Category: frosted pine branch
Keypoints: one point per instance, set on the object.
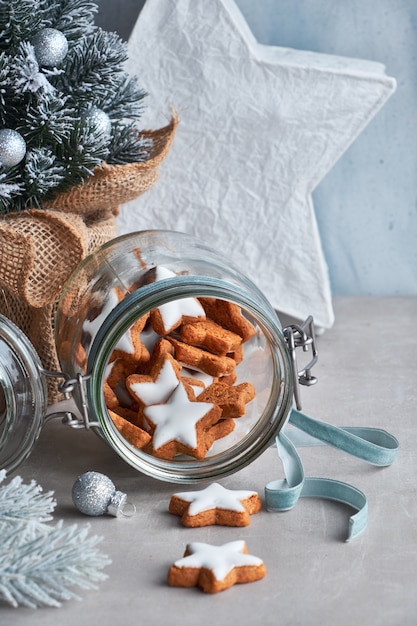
(74, 17)
(127, 147)
(24, 502)
(39, 563)
(25, 75)
(8, 189)
(40, 572)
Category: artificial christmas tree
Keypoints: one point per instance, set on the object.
(67, 104)
(70, 153)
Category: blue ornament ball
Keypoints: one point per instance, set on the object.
(12, 148)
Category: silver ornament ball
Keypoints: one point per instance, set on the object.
(99, 119)
(51, 47)
(94, 494)
(12, 147)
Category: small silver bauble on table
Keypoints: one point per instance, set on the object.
(95, 494)
(12, 147)
(51, 47)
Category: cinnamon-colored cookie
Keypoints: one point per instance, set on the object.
(216, 568)
(167, 317)
(158, 385)
(228, 315)
(210, 336)
(231, 399)
(179, 425)
(215, 505)
(133, 434)
(201, 359)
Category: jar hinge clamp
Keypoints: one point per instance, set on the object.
(301, 336)
(68, 408)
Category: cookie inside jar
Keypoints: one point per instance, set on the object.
(190, 378)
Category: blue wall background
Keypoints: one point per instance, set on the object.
(366, 207)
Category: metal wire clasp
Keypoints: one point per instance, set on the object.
(68, 408)
(301, 336)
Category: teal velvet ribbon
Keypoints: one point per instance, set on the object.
(372, 445)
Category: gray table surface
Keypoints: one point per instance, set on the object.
(367, 377)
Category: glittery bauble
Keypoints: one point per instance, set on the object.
(12, 147)
(95, 494)
(51, 47)
(99, 119)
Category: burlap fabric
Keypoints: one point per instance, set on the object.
(39, 249)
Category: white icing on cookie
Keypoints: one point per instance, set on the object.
(176, 420)
(196, 373)
(159, 390)
(215, 497)
(109, 369)
(92, 327)
(149, 338)
(219, 559)
(172, 312)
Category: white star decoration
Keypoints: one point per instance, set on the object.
(260, 126)
(218, 559)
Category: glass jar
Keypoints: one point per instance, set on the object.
(134, 280)
(23, 396)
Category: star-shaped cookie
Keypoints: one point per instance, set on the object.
(169, 316)
(215, 505)
(215, 568)
(158, 385)
(179, 425)
(232, 399)
(136, 436)
(129, 345)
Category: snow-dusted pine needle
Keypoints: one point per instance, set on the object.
(23, 502)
